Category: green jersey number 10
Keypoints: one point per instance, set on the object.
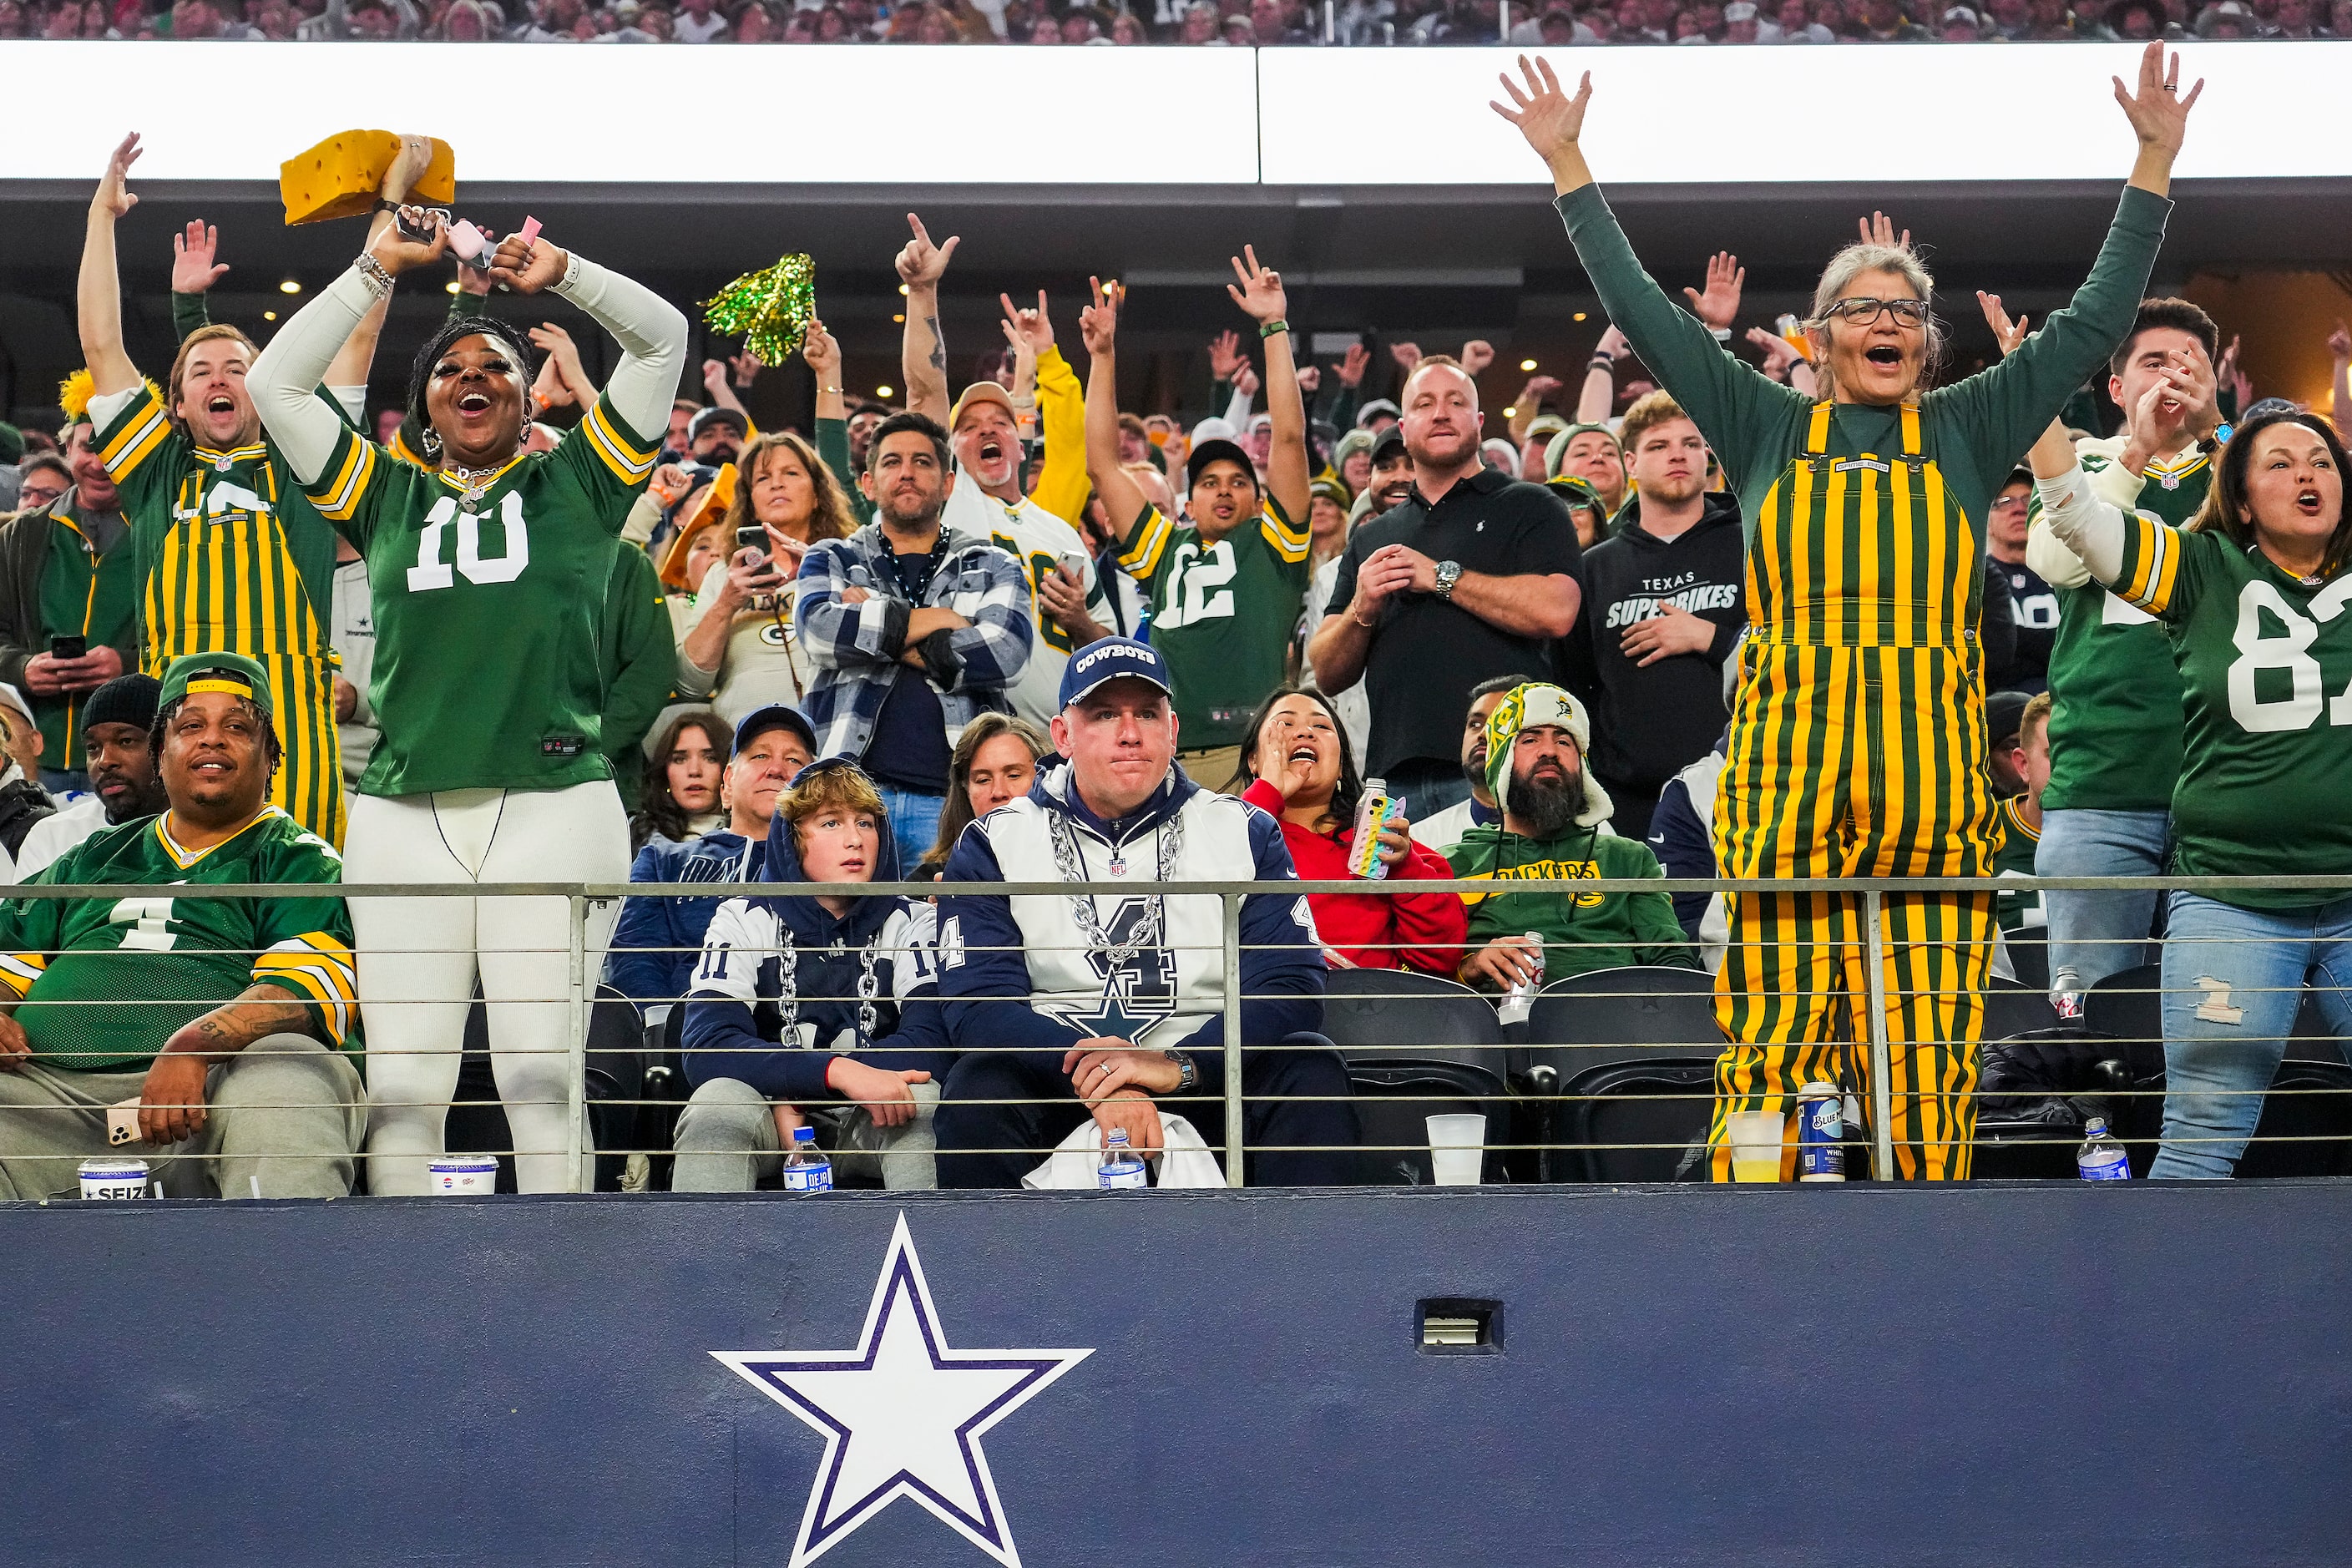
(432, 571)
(2289, 651)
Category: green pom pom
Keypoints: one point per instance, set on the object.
(769, 309)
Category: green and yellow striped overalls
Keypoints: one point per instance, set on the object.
(1857, 750)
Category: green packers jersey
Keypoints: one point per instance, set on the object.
(490, 605)
(80, 593)
(1223, 614)
(2114, 723)
(2020, 839)
(2266, 680)
(101, 983)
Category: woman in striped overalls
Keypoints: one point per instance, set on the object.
(1857, 745)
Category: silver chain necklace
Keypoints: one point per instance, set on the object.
(1070, 863)
(475, 481)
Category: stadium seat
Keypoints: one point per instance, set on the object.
(1588, 1021)
(1633, 1121)
(2036, 1091)
(477, 1124)
(2013, 1008)
(1418, 1047)
(2029, 956)
(2307, 1125)
(2128, 1004)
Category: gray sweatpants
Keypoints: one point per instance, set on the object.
(287, 1111)
(726, 1141)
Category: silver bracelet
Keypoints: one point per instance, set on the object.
(369, 267)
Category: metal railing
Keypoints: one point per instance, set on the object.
(582, 979)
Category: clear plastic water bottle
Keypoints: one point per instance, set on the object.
(806, 1170)
(2101, 1158)
(1122, 1168)
(2066, 994)
(1521, 997)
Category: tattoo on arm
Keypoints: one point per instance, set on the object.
(939, 344)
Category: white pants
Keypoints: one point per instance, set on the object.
(418, 959)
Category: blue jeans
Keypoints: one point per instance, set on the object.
(913, 822)
(1427, 788)
(2233, 978)
(2099, 934)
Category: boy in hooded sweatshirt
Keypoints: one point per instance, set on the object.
(1552, 816)
(811, 1008)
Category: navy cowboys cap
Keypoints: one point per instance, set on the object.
(1110, 659)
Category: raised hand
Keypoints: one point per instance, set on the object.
(1099, 322)
(1613, 343)
(1879, 229)
(1245, 380)
(921, 263)
(1031, 326)
(1476, 355)
(1260, 293)
(2339, 344)
(1309, 378)
(1406, 355)
(2159, 114)
(823, 352)
(546, 388)
(1546, 115)
(1719, 304)
(397, 253)
(407, 167)
(528, 266)
(744, 367)
(1779, 355)
(1352, 366)
(714, 376)
(1225, 355)
(193, 270)
(114, 197)
(2006, 332)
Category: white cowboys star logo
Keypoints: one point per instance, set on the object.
(902, 1415)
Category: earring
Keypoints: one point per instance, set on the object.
(431, 442)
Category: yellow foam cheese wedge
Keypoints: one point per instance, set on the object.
(340, 176)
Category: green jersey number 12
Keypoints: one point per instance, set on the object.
(431, 572)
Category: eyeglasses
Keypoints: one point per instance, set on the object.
(1862, 311)
(2010, 503)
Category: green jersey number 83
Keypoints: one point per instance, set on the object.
(2259, 604)
(432, 571)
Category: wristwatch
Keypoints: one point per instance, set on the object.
(1188, 1072)
(1448, 573)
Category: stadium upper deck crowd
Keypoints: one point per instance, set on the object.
(1233, 23)
(1745, 624)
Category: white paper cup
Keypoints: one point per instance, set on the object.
(1756, 1144)
(474, 1175)
(1456, 1149)
(113, 1178)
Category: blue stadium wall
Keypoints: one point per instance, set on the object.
(1791, 1376)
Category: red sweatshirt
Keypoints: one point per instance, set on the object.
(1431, 927)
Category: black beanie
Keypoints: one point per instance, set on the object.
(126, 699)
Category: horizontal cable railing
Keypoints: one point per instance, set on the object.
(2027, 1094)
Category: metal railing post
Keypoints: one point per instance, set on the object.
(1232, 908)
(1882, 1062)
(576, 1092)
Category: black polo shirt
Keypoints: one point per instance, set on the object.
(1426, 653)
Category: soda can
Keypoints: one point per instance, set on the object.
(1820, 1134)
(470, 1176)
(114, 1178)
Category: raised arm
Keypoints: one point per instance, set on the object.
(822, 353)
(1122, 501)
(1597, 397)
(1260, 294)
(2092, 528)
(357, 357)
(1729, 400)
(650, 330)
(99, 292)
(923, 352)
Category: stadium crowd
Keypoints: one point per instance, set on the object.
(1762, 604)
(1230, 23)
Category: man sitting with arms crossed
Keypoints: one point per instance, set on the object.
(658, 940)
(1553, 812)
(1128, 992)
(255, 1095)
(117, 730)
(813, 1007)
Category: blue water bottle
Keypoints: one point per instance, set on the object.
(806, 1170)
(1122, 1168)
(2101, 1158)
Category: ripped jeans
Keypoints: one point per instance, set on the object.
(2233, 979)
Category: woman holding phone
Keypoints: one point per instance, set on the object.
(740, 650)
